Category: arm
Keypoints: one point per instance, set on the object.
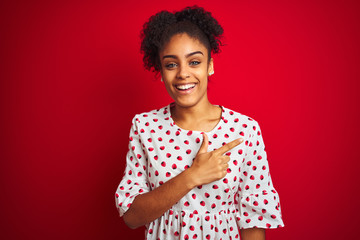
(258, 202)
(207, 167)
(252, 234)
(149, 206)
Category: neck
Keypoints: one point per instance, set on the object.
(185, 114)
(195, 113)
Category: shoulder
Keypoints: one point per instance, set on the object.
(237, 117)
(150, 117)
(239, 120)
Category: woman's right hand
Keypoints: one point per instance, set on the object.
(211, 166)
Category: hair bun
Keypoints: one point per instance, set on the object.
(205, 21)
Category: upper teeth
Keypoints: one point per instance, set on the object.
(186, 86)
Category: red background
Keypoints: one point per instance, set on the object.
(72, 79)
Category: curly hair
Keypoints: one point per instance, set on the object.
(159, 29)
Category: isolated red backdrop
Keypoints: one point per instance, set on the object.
(72, 79)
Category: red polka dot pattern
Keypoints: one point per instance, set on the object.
(245, 198)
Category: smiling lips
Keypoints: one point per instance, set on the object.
(184, 87)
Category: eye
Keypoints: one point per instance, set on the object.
(194, 63)
(171, 65)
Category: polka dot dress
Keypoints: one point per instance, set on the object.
(245, 198)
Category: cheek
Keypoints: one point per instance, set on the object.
(168, 75)
(168, 87)
(199, 72)
(202, 74)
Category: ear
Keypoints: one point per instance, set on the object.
(211, 66)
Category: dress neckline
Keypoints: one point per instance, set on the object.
(173, 124)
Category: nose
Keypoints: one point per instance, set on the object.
(183, 72)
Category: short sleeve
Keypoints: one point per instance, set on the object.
(134, 181)
(258, 201)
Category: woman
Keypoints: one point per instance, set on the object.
(194, 170)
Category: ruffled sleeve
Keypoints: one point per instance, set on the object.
(134, 181)
(258, 201)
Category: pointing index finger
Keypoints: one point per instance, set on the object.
(228, 146)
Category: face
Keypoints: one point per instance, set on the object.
(184, 70)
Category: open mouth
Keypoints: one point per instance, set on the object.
(184, 87)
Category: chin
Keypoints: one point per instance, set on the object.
(186, 103)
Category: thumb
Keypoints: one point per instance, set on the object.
(204, 145)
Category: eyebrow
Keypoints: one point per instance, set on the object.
(187, 55)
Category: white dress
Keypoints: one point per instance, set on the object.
(244, 198)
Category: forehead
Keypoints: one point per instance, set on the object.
(181, 45)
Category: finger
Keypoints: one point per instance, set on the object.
(228, 146)
(204, 145)
(224, 159)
